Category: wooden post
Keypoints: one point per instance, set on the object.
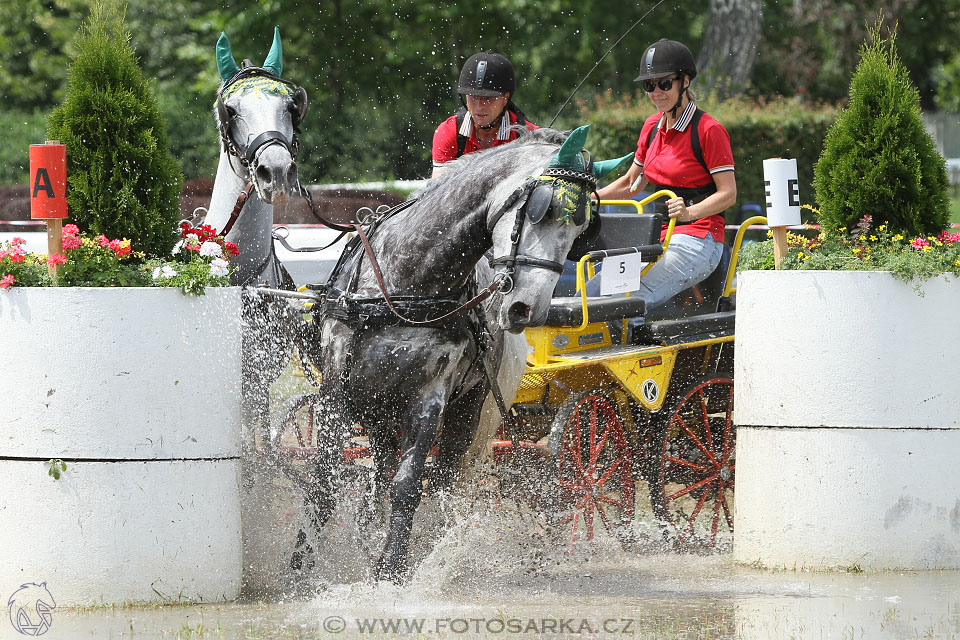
(48, 193)
(779, 244)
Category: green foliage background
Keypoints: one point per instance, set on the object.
(380, 75)
(878, 158)
(122, 180)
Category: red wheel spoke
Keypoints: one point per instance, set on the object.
(609, 472)
(593, 436)
(696, 440)
(588, 520)
(696, 510)
(722, 499)
(679, 494)
(716, 517)
(688, 464)
(706, 418)
(595, 451)
(625, 503)
(726, 427)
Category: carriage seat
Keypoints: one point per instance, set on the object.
(568, 312)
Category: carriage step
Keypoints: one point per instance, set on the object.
(666, 331)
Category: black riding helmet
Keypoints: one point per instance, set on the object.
(487, 74)
(664, 57)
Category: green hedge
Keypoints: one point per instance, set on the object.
(780, 128)
(19, 130)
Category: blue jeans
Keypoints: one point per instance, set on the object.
(687, 261)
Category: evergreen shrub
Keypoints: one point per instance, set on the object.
(123, 181)
(877, 158)
(759, 129)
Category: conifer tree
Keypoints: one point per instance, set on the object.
(122, 180)
(877, 158)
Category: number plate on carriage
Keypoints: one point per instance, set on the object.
(621, 274)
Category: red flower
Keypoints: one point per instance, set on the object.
(70, 242)
(55, 259)
(230, 249)
(102, 241)
(6, 281)
(70, 230)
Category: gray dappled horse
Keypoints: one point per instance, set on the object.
(413, 387)
(258, 114)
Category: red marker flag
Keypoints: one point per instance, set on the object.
(48, 181)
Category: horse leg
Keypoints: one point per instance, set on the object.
(459, 429)
(423, 422)
(320, 490)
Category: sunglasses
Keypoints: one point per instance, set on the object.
(664, 83)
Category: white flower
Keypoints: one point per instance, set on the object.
(166, 271)
(210, 250)
(218, 267)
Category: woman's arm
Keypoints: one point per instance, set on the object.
(619, 189)
(718, 202)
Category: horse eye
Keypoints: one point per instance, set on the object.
(231, 111)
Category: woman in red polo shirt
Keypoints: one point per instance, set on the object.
(682, 149)
(488, 82)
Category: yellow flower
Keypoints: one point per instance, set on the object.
(800, 255)
(897, 238)
(862, 237)
(926, 248)
(867, 259)
(883, 226)
(856, 250)
(873, 238)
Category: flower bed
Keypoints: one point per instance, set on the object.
(201, 260)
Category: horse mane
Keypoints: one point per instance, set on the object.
(526, 138)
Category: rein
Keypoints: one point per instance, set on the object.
(433, 322)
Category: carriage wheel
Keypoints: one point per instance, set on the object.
(691, 480)
(594, 467)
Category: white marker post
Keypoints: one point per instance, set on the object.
(783, 201)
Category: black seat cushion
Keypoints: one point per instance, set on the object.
(567, 312)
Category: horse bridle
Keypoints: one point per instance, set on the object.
(246, 155)
(534, 200)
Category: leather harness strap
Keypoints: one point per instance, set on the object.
(433, 322)
(237, 208)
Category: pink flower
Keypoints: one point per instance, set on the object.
(6, 281)
(120, 247)
(101, 240)
(17, 241)
(55, 259)
(949, 238)
(919, 243)
(70, 230)
(70, 242)
(17, 253)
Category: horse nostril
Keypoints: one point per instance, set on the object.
(263, 175)
(519, 313)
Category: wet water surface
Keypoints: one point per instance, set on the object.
(491, 570)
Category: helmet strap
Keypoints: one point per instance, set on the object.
(673, 112)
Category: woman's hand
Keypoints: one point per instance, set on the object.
(677, 208)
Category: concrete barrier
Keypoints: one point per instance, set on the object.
(848, 421)
(138, 391)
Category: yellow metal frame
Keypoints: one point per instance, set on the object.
(555, 371)
(582, 263)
